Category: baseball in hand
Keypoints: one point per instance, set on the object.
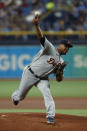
(37, 13)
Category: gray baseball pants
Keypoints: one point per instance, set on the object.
(28, 80)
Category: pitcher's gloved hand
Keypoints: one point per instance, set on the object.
(60, 71)
(59, 76)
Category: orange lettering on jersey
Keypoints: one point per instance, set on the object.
(51, 61)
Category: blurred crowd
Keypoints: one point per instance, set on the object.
(56, 15)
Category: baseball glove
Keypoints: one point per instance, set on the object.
(60, 71)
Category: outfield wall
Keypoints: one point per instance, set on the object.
(13, 59)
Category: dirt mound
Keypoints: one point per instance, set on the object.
(37, 122)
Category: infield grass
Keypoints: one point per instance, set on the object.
(67, 88)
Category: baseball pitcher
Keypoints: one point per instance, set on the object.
(47, 61)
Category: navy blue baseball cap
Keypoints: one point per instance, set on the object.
(66, 43)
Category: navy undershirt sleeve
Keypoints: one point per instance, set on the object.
(42, 41)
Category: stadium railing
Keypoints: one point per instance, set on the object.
(45, 32)
(30, 38)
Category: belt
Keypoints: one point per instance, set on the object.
(41, 78)
(33, 73)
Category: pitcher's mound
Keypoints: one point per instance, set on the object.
(37, 122)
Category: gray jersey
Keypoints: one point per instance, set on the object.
(46, 60)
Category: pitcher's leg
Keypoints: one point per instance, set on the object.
(27, 81)
(44, 87)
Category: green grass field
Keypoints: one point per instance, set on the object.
(67, 88)
(62, 89)
(77, 112)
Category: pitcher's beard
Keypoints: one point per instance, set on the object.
(63, 53)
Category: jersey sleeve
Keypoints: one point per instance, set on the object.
(45, 43)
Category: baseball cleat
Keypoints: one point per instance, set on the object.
(50, 120)
(15, 102)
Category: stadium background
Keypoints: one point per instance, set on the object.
(59, 19)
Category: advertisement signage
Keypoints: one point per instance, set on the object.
(13, 59)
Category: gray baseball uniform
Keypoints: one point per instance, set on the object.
(37, 73)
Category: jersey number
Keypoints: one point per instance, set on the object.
(51, 61)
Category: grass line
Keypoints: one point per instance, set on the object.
(77, 112)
